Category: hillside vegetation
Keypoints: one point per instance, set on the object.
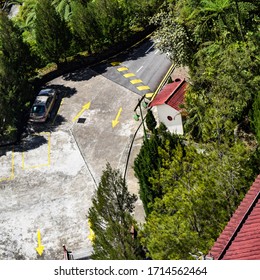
(191, 185)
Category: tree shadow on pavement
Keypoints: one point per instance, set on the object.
(63, 91)
(80, 75)
(32, 142)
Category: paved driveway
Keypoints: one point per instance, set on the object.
(47, 182)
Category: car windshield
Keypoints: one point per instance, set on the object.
(38, 109)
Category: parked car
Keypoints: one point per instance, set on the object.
(43, 105)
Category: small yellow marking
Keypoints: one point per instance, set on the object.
(116, 121)
(122, 69)
(136, 81)
(91, 236)
(49, 155)
(84, 107)
(12, 170)
(128, 75)
(143, 88)
(40, 247)
(149, 95)
(115, 63)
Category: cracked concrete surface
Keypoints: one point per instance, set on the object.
(48, 181)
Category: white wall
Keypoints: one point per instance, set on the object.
(174, 125)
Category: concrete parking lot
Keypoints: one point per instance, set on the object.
(48, 181)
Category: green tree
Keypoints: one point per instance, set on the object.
(16, 67)
(172, 37)
(150, 120)
(53, 36)
(149, 160)
(201, 188)
(85, 28)
(111, 219)
(112, 21)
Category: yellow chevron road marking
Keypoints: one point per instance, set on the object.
(136, 81)
(143, 88)
(128, 75)
(122, 69)
(115, 63)
(149, 95)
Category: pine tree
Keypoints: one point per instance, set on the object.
(111, 220)
(16, 66)
(53, 36)
(148, 161)
(85, 28)
(150, 120)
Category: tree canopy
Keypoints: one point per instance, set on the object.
(16, 66)
(111, 220)
(193, 187)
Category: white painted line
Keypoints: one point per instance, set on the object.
(156, 52)
(139, 69)
(150, 48)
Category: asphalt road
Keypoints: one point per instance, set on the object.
(144, 61)
(48, 181)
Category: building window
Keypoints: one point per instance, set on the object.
(169, 118)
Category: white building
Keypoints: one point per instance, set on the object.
(168, 102)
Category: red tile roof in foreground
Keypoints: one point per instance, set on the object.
(240, 239)
(172, 94)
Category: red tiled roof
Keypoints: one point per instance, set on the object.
(240, 240)
(172, 94)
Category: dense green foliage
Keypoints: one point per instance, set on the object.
(148, 160)
(95, 25)
(111, 220)
(150, 120)
(16, 66)
(256, 116)
(53, 37)
(192, 189)
(200, 189)
(219, 43)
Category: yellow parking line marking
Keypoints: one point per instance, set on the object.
(149, 95)
(143, 87)
(49, 155)
(122, 69)
(12, 170)
(115, 63)
(128, 75)
(136, 81)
